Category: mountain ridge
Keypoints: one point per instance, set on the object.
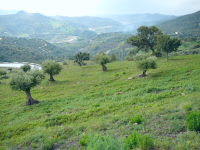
(187, 25)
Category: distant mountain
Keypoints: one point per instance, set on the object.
(187, 25)
(87, 22)
(23, 24)
(7, 12)
(130, 22)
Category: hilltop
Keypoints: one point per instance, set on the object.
(85, 101)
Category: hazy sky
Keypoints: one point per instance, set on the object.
(92, 7)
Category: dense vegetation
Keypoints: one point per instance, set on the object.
(29, 50)
(89, 108)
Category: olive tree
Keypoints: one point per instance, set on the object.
(10, 69)
(80, 57)
(24, 81)
(167, 44)
(144, 62)
(102, 59)
(25, 67)
(145, 39)
(52, 68)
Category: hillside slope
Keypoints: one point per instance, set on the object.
(187, 25)
(85, 100)
(29, 50)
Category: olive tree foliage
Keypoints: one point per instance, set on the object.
(144, 62)
(10, 69)
(80, 57)
(145, 39)
(102, 59)
(24, 81)
(25, 67)
(52, 68)
(167, 44)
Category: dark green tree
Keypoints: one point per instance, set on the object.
(24, 81)
(81, 57)
(25, 67)
(10, 69)
(102, 59)
(145, 39)
(52, 68)
(167, 44)
(144, 62)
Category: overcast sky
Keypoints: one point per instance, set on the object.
(101, 7)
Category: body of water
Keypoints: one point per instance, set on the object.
(18, 65)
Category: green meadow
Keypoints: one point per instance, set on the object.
(85, 108)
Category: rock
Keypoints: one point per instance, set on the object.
(118, 93)
(182, 93)
(131, 78)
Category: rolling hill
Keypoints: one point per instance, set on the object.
(30, 50)
(187, 25)
(24, 24)
(87, 21)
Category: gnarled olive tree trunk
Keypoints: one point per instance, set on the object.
(143, 73)
(29, 99)
(51, 78)
(103, 67)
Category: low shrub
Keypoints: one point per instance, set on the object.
(136, 140)
(136, 119)
(193, 121)
(4, 77)
(187, 106)
(2, 72)
(96, 142)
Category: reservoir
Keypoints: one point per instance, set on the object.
(18, 65)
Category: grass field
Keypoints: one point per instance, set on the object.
(85, 103)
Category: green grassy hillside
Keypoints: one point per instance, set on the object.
(85, 101)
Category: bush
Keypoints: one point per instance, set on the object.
(96, 142)
(64, 63)
(193, 121)
(136, 140)
(186, 106)
(83, 141)
(136, 119)
(2, 72)
(4, 77)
